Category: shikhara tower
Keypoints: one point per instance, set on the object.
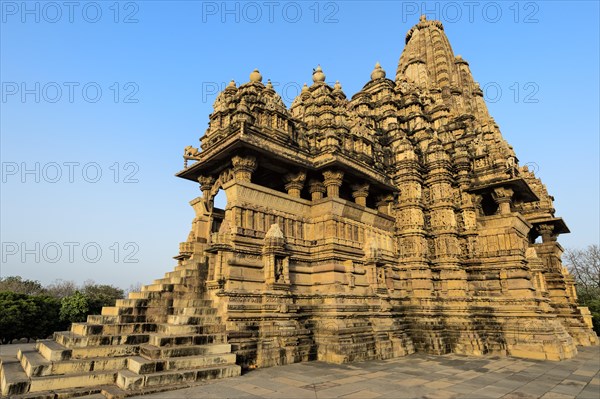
(366, 228)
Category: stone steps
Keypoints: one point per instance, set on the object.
(195, 311)
(53, 351)
(140, 310)
(192, 303)
(183, 273)
(194, 319)
(187, 340)
(126, 319)
(156, 352)
(35, 365)
(129, 380)
(71, 340)
(141, 365)
(89, 379)
(13, 380)
(172, 329)
(175, 280)
(87, 329)
(173, 285)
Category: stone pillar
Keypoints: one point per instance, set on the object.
(503, 197)
(333, 182)
(360, 192)
(316, 189)
(206, 184)
(294, 182)
(547, 232)
(243, 166)
(383, 203)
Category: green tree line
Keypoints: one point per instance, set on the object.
(29, 310)
(584, 266)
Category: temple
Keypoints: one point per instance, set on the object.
(395, 221)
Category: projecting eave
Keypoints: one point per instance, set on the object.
(522, 191)
(279, 155)
(560, 227)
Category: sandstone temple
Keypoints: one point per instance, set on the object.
(395, 221)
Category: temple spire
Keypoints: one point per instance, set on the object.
(428, 58)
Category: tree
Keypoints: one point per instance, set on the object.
(61, 288)
(584, 266)
(74, 308)
(100, 295)
(18, 285)
(27, 316)
(47, 319)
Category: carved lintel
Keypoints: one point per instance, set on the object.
(243, 166)
(294, 182)
(360, 192)
(333, 182)
(316, 189)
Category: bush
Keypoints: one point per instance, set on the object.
(27, 316)
(74, 308)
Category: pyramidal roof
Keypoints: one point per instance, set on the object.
(433, 105)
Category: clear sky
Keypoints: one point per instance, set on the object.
(100, 98)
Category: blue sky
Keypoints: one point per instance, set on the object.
(120, 88)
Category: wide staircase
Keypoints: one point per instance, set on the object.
(164, 337)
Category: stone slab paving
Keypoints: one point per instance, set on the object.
(414, 376)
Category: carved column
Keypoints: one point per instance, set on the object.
(243, 167)
(316, 189)
(294, 182)
(206, 184)
(444, 227)
(333, 182)
(547, 232)
(408, 210)
(360, 192)
(503, 197)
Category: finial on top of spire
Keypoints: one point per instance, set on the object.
(269, 84)
(255, 76)
(337, 85)
(318, 75)
(378, 72)
(423, 18)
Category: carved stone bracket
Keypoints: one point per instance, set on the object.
(294, 182)
(243, 167)
(333, 182)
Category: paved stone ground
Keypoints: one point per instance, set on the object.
(415, 376)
